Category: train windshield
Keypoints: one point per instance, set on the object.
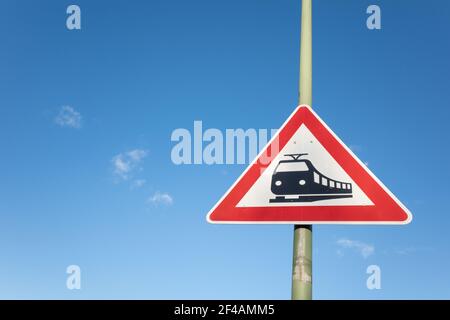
(292, 166)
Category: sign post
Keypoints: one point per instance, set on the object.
(302, 255)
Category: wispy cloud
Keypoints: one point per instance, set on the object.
(412, 250)
(364, 249)
(68, 117)
(138, 183)
(161, 198)
(125, 164)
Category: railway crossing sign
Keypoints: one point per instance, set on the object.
(307, 175)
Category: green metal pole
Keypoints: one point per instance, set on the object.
(302, 257)
(305, 84)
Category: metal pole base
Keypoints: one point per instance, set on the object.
(302, 263)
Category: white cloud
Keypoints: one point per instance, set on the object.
(68, 117)
(362, 248)
(161, 198)
(128, 162)
(138, 183)
(412, 250)
(137, 154)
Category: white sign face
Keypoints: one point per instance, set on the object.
(324, 178)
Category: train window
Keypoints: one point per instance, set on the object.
(316, 177)
(292, 166)
(332, 184)
(324, 181)
(338, 185)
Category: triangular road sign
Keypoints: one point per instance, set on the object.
(307, 175)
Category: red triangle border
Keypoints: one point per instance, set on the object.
(387, 209)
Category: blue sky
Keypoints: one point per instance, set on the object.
(138, 70)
